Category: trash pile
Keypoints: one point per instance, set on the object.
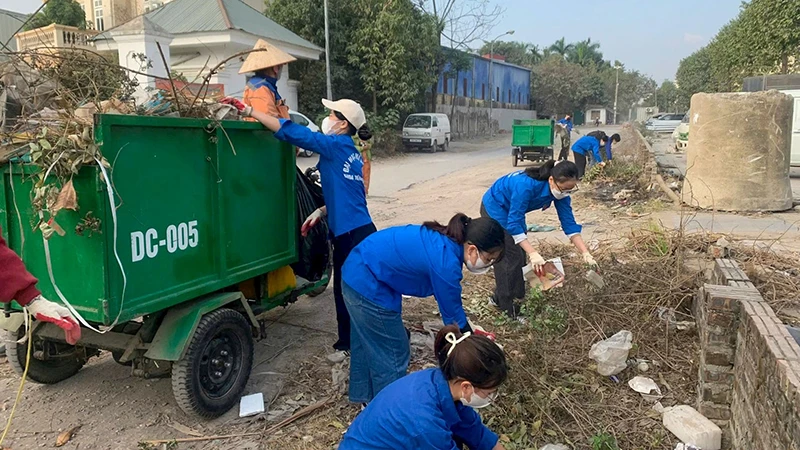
(48, 100)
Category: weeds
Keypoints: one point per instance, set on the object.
(542, 316)
(604, 441)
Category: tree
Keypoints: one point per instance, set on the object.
(694, 75)
(559, 86)
(62, 12)
(668, 97)
(585, 53)
(388, 48)
(518, 53)
(561, 47)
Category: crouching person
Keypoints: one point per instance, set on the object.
(435, 408)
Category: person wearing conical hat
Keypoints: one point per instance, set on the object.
(262, 89)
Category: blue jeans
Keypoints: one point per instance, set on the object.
(379, 347)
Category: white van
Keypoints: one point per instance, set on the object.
(795, 93)
(427, 130)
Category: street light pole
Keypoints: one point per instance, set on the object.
(616, 94)
(491, 79)
(327, 53)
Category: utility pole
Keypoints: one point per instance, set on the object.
(491, 79)
(616, 93)
(327, 53)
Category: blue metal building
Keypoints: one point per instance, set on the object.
(511, 83)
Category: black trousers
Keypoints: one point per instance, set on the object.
(564, 153)
(342, 246)
(580, 161)
(509, 282)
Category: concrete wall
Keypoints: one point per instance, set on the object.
(749, 365)
(469, 121)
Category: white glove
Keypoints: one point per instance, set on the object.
(47, 311)
(537, 262)
(312, 220)
(589, 259)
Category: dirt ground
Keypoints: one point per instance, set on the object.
(118, 411)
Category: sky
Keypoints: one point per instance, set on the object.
(651, 36)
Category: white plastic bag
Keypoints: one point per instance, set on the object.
(554, 447)
(612, 353)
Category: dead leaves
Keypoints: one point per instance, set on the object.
(67, 199)
(66, 435)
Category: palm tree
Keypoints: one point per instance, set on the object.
(586, 53)
(561, 47)
(535, 54)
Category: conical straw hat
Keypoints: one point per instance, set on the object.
(270, 57)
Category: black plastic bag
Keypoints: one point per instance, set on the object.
(313, 250)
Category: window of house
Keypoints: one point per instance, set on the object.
(98, 15)
(519, 97)
(497, 97)
(483, 91)
(444, 85)
(464, 83)
(509, 97)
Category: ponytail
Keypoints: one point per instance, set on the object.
(484, 232)
(476, 359)
(561, 171)
(364, 134)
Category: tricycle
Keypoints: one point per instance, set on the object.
(532, 140)
(179, 245)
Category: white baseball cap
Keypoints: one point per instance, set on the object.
(350, 110)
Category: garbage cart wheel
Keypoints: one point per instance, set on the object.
(514, 158)
(212, 375)
(64, 361)
(117, 356)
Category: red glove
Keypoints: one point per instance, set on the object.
(47, 311)
(241, 107)
(479, 332)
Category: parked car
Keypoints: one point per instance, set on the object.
(427, 130)
(301, 119)
(666, 123)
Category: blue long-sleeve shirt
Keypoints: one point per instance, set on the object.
(516, 194)
(588, 144)
(417, 411)
(340, 167)
(568, 124)
(409, 260)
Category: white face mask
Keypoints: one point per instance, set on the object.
(480, 267)
(476, 401)
(327, 126)
(559, 195)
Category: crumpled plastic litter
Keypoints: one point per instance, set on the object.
(611, 354)
(645, 386)
(536, 228)
(555, 447)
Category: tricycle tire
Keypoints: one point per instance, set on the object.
(117, 356)
(210, 378)
(514, 159)
(42, 372)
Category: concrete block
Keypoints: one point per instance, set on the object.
(692, 427)
(740, 152)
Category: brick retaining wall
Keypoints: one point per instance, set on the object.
(749, 371)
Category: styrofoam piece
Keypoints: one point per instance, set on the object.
(252, 404)
(692, 427)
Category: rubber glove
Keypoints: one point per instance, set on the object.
(241, 107)
(537, 262)
(47, 311)
(589, 259)
(312, 220)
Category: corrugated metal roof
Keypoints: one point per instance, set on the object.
(10, 21)
(193, 16)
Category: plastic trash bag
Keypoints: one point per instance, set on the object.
(555, 447)
(314, 251)
(611, 354)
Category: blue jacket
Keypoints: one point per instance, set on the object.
(409, 260)
(568, 123)
(516, 194)
(417, 412)
(340, 168)
(588, 144)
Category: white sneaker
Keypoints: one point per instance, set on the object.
(338, 356)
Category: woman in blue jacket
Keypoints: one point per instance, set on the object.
(585, 146)
(508, 200)
(433, 409)
(416, 260)
(340, 167)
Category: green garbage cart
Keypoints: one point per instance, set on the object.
(171, 269)
(532, 140)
